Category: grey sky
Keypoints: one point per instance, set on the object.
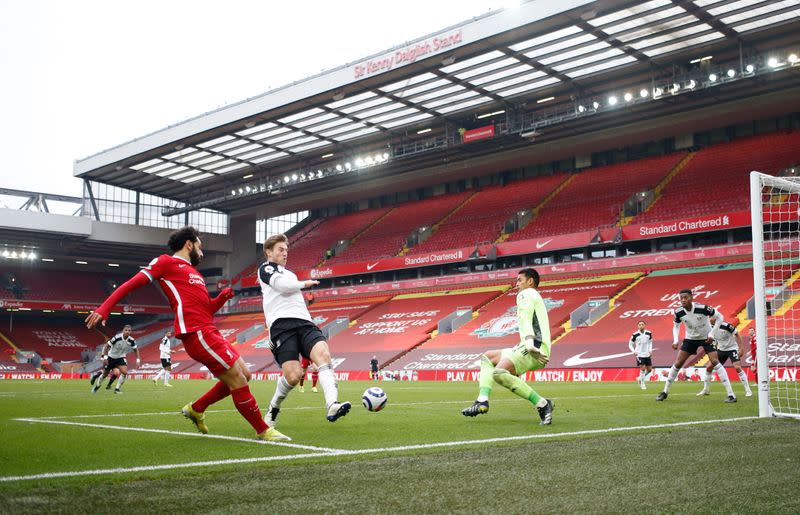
(81, 76)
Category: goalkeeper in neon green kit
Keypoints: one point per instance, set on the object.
(532, 353)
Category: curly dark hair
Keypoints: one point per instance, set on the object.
(179, 238)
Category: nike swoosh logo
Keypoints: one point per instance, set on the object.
(181, 266)
(540, 244)
(578, 359)
(373, 265)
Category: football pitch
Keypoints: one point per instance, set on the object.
(611, 448)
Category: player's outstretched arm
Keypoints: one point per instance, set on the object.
(224, 296)
(101, 314)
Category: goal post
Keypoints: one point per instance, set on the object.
(775, 212)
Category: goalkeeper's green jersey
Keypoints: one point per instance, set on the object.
(532, 318)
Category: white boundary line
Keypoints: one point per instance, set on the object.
(181, 433)
(334, 452)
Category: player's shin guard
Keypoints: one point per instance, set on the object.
(282, 389)
(328, 383)
(122, 379)
(517, 386)
(673, 374)
(248, 407)
(485, 379)
(217, 392)
(167, 376)
(723, 377)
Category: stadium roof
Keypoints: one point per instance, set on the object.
(502, 61)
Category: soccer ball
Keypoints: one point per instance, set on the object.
(374, 399)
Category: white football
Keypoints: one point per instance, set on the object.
(374, 399)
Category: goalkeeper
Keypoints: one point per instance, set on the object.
(504, 366)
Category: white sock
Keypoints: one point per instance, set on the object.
(642, 373)
(707, 380)
(159, 375)
(328, 383)
(121, 381)
(166, 376)
(743, 379)
(673, 373)
(483, 398)
(281, 391)
(723, 377)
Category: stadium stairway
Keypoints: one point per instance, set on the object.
(661, 185)
(536, 209)
(435, 227)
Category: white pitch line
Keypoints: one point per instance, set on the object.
(181, 433)
(342, 452)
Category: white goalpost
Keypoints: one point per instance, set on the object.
(775, 211)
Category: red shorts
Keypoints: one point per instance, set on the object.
(305, 362)
(207, 346)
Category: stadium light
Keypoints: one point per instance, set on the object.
(644, 93)
(247, 189)
(13, 254)
(286, 178)
(338, 168)
(628, 97)
(657, 92)
(596, 104)
(712, 77)
(81, 263)
(792, 58)
(348, 166)
(701, 59)
(750, 68)
(581, 109)
(249, 175)
(675, 88)
(319, 173)
(113, 264)
(47, 260)
(543, 100)
(6, 254)
(23, 255)
(233, 192)
(326, 156)
(423, 131)
(386, 155)
(359, 162)
(294, 176)
(32, 256)
(487, 115)
(773, 62)
(612, 100)
(692, 84)
(731, 73)
(369, 160)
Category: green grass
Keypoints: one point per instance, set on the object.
(747, 465)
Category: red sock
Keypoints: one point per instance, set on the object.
(314, 378)
(248, 407)
(217, 392)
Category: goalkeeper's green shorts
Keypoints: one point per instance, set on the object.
(522, 359)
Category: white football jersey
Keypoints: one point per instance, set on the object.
(120, 346)
(165, 347)
(725, 337)
(282, 295)
(696, 320)
(641, 343)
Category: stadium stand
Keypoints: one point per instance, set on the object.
(653, 300)
(716, 179)
(71, 286)
(495, 327)
(394, 327)
(595, 197)
(309, 251)
(481, 218)
(388, 237)
(55, 340)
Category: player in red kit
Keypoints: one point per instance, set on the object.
(306, 363)
(194, 310)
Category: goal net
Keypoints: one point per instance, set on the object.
(775, 209)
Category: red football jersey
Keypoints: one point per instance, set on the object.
(186, 290)
(753, 347)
